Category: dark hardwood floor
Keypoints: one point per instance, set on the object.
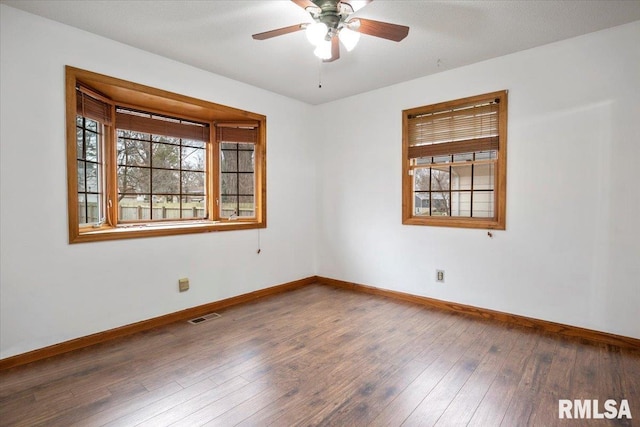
(323, 356)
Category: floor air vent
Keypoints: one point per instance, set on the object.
(204, 318)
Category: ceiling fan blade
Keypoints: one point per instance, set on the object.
(384, 30)
(304, 3)
(356, 5)
(278, 32)
(335, 50)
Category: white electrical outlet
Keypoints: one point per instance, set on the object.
(440, 276)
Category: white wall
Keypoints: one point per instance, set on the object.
(52, 291)
(571, 251)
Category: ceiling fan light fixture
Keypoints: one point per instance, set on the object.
(316, 33)
(349, 38)
(323, 50)
(331, 24)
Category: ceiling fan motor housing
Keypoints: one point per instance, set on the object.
(332, 13)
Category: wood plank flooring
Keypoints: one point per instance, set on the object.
(323, 356)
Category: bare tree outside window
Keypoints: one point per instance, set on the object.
(160, 177)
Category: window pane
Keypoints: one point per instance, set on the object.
(229, 183)
(133, 180)
(144, 212)
(440, 204)
(483, 204)
(81, 177)
(93, 179)
(172, 210)
(94, 207)
(245, 161)
(228, 205)
(247, 207)
(421, 179)
(163, 208)
(461, 203)
(421, 203)
(229, 146)
(442, 159)
(91, 145)
(440, 179)
(483, 177)
(193, 158)
(461, 177)
(486, 155)
(463, 157)
(229, 161)
(166, 156)
(92, 125)
(165, 182)
(132, 152)
(79, 143)
(193, 182)
(134, 208)
(193, 207)
(246, 183)
(82, 209)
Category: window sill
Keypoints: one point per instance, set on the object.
(133, 231)
(446, 221)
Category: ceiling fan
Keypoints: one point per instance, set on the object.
(332, 24)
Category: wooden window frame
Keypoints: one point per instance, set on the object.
(498, 221)
(132, 95)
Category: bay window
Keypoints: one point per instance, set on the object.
(147, 162)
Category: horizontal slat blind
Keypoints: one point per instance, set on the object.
(236, 133)
(129, 120)
(92, 108)
(457, 130)
(458, 147)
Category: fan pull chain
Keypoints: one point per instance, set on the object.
(320, 74)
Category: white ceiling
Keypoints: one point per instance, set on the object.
(216, 36)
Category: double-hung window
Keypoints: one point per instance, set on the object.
(145, 162)
(454, 163)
